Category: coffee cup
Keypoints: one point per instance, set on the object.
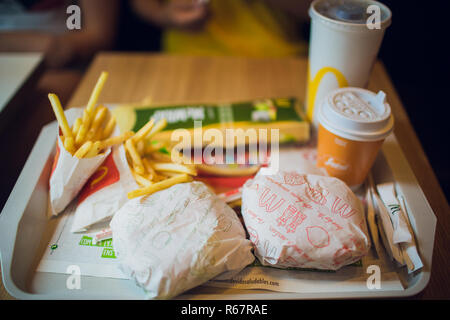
(353, 123)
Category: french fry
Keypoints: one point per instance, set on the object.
(139, 168)
(159, 156)
(69, 144)
(135, 157)
(158, 186)
(87, 118)
(160, 177)
(129, 160)
(140, 147)
(98, 120)
(76, 126)
(161, 124)
(148, 167)
(116, 140)
(98, 135)
(151, 178)
(141, 180)
(174, 167)
(91, 133)
(81, 135)
(100, 115)
(83, 150)
(167, 174)
(95, 150)
(60, 116)
(96, 92)
(109, 127)
(144, 131)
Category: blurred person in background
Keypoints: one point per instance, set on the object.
(230, 27)
(251, 28)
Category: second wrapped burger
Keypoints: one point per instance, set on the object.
(302, 220)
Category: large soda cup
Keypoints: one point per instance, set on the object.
(345, 39)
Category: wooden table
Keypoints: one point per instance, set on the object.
(178, 79)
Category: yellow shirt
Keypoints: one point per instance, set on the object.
(238, 27)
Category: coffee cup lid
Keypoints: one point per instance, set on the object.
(356, 114)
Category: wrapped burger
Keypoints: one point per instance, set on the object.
(300, 220)
(177, 239)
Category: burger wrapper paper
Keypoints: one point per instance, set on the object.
(177, 239)
(298, 220)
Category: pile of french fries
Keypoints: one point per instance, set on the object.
(152, 169)
(151, 162)
(90, 134)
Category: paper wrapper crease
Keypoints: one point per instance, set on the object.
(177, 239)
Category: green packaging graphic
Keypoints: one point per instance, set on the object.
(108, 251)
(284, 114)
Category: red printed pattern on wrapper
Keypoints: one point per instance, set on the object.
(105, 175)
(255, 216)
(294, 179)
(290, 261)
(327, 219)
(254, 238)
(276, 233)
(300, 200)
(342, 208)
(290, 214)
(302, 253)
(318, 236)
(316, 196)
(267, 200)
(291, 218)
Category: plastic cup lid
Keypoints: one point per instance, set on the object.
(349, 12)
(356, 114)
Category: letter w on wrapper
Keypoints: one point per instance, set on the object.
(268, 200)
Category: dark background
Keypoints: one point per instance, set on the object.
(415, 52)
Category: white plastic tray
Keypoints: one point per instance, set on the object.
(25, 231)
